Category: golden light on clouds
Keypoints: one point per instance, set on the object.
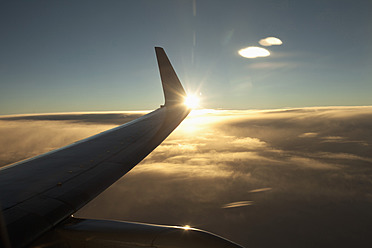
(308, 135)
(270, 41)
(199, 120)
(242, 169)
(259, 190)
(238, 204)
(253, 52)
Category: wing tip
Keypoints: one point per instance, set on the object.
(174, 92)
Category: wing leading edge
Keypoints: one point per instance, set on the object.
(39, 193)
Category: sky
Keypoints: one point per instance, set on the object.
(63, 56)
(261, 178)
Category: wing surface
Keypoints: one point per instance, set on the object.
(39, 193)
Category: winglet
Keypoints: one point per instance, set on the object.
(172, 87)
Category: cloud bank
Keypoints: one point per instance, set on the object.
(291, 177)
(25, 136)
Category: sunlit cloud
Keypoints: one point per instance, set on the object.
(21, 133)
(259, 190)
(344, 156)
(270, 41)
(199, 168)
(238, 204)
(229, 171)
(308, 135)
(312, 163)
(342, 140)
(248, 142)
(253, 52)
(333, 139)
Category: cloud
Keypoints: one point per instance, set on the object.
(86, 118)
(260, 190)
(248, 142)
(25, 136)
(332, 139)
(308, 135)
(342, 156)
(312, 163)
(276, 159)
(270, 41)
(253, 52)
(237, 204)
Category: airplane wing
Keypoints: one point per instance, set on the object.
(39, 195)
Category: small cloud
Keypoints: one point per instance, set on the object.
(249, 142)
(335, 139)
(270, 41)
(253, 52)
(259, 190)
(308, 135)
(238, 204)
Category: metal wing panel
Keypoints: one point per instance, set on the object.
(38, 193)
(78, 173)
(28, 178)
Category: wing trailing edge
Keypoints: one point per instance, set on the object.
(76, 233)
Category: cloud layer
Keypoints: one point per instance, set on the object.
(295, 177)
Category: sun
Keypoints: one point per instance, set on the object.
(186, 227)
(192, 101)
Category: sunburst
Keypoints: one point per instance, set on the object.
(192, 101)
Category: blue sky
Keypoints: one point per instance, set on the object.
(60, 56)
